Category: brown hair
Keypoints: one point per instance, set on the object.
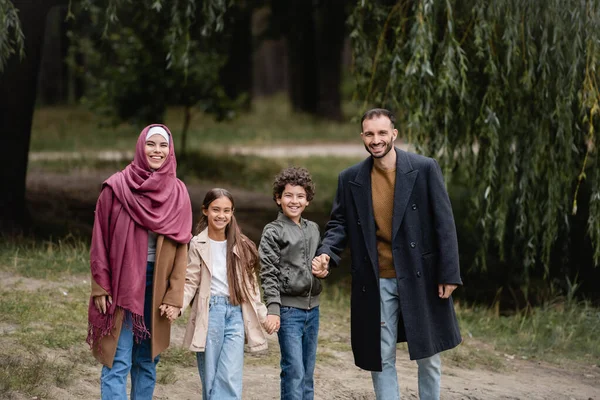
(377, 112)
(296, 177)
(245, 264)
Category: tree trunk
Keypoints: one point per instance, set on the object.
(298, 27)
(236, 75)
(18, 86)
(330, 28)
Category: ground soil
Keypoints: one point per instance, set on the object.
(66, 202)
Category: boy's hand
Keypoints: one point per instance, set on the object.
(320, 266)
(272, 323)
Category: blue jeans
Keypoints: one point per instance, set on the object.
(221, 364)
(385, 382)
(132, 357)
(298, 344)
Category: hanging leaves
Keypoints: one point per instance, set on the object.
(504, 91)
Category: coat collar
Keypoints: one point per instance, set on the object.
(282, 217)
(363, 198)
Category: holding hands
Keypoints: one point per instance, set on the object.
(320, 266)
(272, 323)
(171, 312)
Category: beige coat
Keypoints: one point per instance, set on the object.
(197, 290)
(168, 283)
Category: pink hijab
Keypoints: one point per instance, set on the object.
(133, 202)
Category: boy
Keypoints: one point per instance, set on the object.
(291, 292)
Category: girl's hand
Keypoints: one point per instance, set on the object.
(171, 312)
(100, 303)
(272, 323)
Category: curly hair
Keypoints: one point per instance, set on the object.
(296, 177)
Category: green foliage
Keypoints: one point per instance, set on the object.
(505, 90)
(12, 39)
(161, 57)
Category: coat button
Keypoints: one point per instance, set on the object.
(414, 206)
(364, 289)
(358, 222)
(418, 274)
(413, 244)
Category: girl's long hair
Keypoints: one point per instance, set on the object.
(245, 265)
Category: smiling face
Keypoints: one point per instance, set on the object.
(293, 202)
(218, 215)
(378, 136)
(156, 150)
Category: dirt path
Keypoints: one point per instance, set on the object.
(354, 149)
(336, 377)
(72, 200)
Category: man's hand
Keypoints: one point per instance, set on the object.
(100, 303)
(272, 323)
(320, 266)
(445, 290)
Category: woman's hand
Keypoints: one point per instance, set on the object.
(171, 312)
(100, 303)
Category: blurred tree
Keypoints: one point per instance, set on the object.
(506, 92)
(314, 32)
(22, 25)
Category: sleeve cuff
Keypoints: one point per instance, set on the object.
(273, 309)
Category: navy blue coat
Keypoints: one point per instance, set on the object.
(424, 249)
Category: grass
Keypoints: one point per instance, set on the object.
(51, 318)
(555, 332)
(31, 373)
(49, 259)
(270, 122)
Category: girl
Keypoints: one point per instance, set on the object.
(221, 280)
(138, 255)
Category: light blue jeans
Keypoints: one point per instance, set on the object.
(298, 344)
(221, 364)
(385, 382)
(132, 357)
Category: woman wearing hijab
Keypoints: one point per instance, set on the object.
(138, 260)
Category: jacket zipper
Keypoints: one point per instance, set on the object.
(307, 263)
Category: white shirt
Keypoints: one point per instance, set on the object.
(218, 258)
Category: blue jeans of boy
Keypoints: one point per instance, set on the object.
(385, 382)
(298, 345)
(221, 364)
(132, 357)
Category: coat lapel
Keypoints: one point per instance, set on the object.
(405, 181)
(363, 200)
(205, 249)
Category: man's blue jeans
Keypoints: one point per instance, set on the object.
(298, 344)
(221, 364)
(132, 357)
(385, 382)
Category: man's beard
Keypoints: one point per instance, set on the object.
(389, 146)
